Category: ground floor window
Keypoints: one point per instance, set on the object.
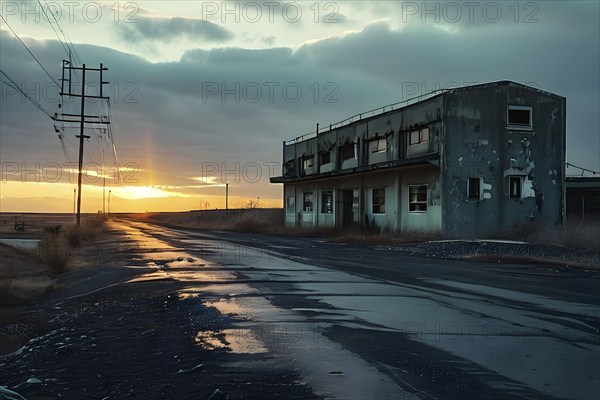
(378, 198)
(327, 202)
(417, 198)
(307, 204)
(515, 187)
(291, 204)
(474, 189)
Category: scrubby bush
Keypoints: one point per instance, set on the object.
(90, 228)
(55, 247)
(54, 250)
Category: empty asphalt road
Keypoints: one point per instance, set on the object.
(378, 322)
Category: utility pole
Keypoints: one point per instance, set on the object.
(227, 198)
(82, 118)
(109, 192)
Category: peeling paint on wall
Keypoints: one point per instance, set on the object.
(486, 188)
(528, 190)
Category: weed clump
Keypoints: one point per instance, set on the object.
(55, 246)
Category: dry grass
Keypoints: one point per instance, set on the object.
(270, 221)
(55, 247)
(90, 228)
(254, 220)
(22, 276)
(576, 235)
(579, 235)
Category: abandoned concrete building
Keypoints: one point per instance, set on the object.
(459, 162)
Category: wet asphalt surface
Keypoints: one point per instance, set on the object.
(260, 316)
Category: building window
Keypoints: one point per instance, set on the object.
(378, 145)
(307, 162)
(378, 197)
(519, 117)
(417, 198)
(515, 187)
(291, 204)
(327, 202)
(348, 152)
(419, 136)
(289, 169)
(307, 204)
(474, 189)
(324, 158)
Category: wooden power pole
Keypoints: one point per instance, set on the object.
(81, 118)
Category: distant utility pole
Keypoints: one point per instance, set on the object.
(227, 198)
(82, 118)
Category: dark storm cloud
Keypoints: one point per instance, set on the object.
(150, 28)
(204, 108)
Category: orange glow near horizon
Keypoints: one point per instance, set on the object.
(59, 198)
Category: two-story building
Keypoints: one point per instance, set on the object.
(459, 162)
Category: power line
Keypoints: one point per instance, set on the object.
(27, 96)
(52, 26)
(582, 169)
(66, 40)
(30, 52)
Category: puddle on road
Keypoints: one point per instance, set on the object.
(239, 341)
(228, 306)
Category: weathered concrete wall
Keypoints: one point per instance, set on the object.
(431, 221)
(479, 143)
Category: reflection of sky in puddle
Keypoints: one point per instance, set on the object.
(240, 341)
(167, 261)
(227, 306)
(181, 276)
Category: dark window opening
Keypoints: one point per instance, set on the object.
(307, 204)
(325, 158)
(474, 190)
(346, 152)
(417, 198)
(327, 202)
(289, 169)
(515, 187)
(378, 198)
(519, 116)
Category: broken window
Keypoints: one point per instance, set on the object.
(378, 201)
(307, 162)
(419, 136)
(291, 204)
(417, 198)
(378, 145)
(324, 158)
(346, 152)
(519, 116)
(474, 188)
(307, 204)
(327, 202)
(515, 187)
(290, 169)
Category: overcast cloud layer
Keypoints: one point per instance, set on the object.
(191, 90)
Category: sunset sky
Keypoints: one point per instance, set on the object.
(204, 93)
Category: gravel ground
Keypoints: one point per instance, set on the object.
(506, 251)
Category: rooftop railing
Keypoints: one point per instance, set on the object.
(368, 114)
